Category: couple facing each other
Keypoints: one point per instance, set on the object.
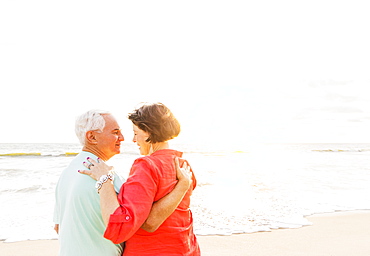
(151, 211)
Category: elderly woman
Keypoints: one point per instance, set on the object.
(151, 177)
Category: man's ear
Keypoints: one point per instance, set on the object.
(91, 138)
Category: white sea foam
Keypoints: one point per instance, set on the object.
(239, 191)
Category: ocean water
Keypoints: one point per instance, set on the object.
(257, 188)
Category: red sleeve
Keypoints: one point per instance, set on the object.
(136, 199)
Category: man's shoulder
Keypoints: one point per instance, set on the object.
(70, 174)
(81, 157)
(87, 154)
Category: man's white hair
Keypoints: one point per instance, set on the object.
(92, 120)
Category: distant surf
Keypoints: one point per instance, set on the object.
(239, 190)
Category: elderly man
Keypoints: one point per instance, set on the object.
(77, 214)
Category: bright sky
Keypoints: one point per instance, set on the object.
(231, 71)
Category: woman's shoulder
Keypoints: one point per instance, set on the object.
(145, 160)
(166, 153)
(158, 157)
(140, 160)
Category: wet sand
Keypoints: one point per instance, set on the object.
(335, 234)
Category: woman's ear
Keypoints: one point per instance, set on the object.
(91, 138)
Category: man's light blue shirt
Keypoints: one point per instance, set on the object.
(78, 213)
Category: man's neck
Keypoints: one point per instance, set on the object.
(95, 151)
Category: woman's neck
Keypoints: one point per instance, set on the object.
(158, 146)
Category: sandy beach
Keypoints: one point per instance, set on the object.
(334, 234)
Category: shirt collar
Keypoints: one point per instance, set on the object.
(167, 151)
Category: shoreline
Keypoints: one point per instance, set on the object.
(339, 233)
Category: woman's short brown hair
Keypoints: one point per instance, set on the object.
(157, 120)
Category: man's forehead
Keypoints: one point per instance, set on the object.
(111, 122)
